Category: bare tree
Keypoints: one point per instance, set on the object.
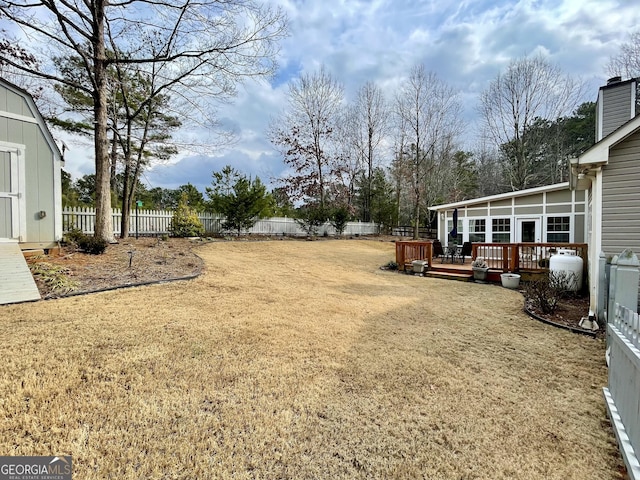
(367, 126)
(305, 134)
(626, 63)
(530, 90)
(428, 116)
(200, 49)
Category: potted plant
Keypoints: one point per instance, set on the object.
(480, 269)
(510, 280)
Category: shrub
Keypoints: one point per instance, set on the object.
(54, 277)
(73, 236)
(339, 219)
(310, 218)
(92, 245)
(545, 292)
(185, 221)
(86, 243)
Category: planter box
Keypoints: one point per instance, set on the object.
(510, 280)
(480, 274)
(419, 266)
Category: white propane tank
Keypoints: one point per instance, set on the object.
(567, 262)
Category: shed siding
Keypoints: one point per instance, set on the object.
(13, 103)
(621, 198)
(617, 107)
(39, 166)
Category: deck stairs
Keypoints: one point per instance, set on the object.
(449, 272)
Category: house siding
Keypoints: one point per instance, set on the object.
(621, 198)
(536, 205)
(617, 104)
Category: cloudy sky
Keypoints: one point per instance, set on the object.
(466, 42)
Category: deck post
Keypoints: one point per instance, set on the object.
(505, 258)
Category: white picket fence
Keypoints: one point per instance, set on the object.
(158, 222)
(622, 394)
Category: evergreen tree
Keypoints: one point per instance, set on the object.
(241, 200)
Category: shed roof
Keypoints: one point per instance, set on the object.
(36, 112)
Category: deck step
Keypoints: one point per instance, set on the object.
(462, 277)
(33, 252)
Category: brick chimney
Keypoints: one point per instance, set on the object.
(617, 104)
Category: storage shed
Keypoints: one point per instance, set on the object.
(30, 191)
(30, 173)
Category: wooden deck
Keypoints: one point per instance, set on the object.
(16, 282)
(528, 259)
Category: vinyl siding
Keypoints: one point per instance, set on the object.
(617, 107)
(621, 198)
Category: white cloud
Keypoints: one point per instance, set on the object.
(466, 43)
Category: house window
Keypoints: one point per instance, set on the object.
(477, 229)
(501, 230)
(558, 229)
(458, 238)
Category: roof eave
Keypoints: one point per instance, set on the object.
(502, 196)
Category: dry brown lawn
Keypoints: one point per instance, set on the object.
(303, 360)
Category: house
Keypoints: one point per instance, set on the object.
(30, 189)
(30, 177)
(553, 213)
(609, 173)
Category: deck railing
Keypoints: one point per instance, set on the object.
(515, 257)
(408, 251)
(506, 257)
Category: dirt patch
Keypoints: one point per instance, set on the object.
(568, 313)
(129, 262)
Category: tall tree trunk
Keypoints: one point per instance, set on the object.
(114, 160)
(103, 227)
(369, 197)
(126, 198)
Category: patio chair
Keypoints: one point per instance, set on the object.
(437, 250)
(465, 251)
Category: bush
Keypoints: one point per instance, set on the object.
(545, 292)
(310, 218)
(54, 277)
(86, 243)
(185, 221)
(73, 236)
(339, 219)
(92, 245)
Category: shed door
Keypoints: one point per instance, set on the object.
(12, 221)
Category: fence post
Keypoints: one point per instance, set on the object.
(627, 278)
(613, 278)
(602, 286)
